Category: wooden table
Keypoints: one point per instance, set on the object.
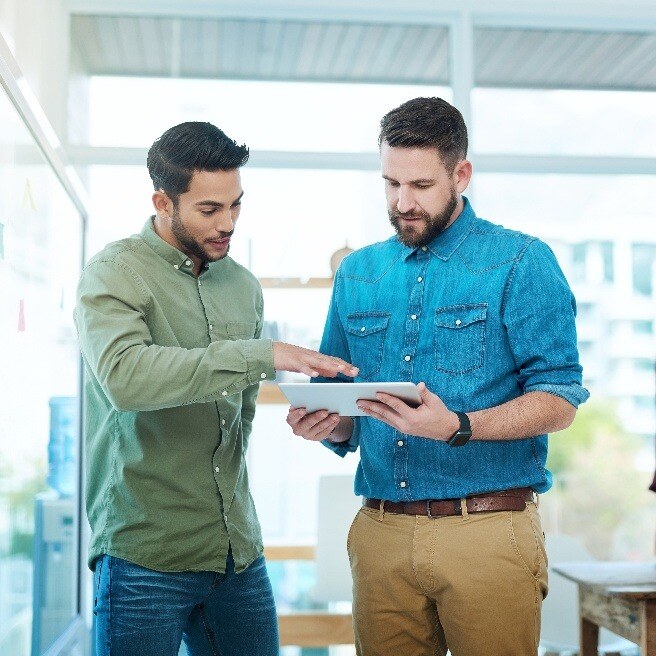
(620, 597)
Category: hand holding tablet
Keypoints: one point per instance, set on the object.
(342, 398)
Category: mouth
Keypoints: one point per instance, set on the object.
(219, 243)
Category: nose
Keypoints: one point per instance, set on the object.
(405, 201)
(225, 221)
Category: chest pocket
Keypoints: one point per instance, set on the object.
(236, 330)
(460, 338)
(365, 332)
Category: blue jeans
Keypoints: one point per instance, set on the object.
(141, 612)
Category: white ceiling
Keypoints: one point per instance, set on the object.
(350, 51)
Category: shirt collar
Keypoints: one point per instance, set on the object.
(172, 255)
(447, 242)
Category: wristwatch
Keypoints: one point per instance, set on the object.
(462, 435)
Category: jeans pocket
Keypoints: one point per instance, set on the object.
(460, 338)
(97, 574)
(365, 332)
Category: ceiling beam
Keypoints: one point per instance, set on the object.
(268, 159)
(600, 15)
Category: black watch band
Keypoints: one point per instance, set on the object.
(462, 435)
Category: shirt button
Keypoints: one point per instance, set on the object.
(363, 329)
(424, 248)
(262, 375)
(419, 279)
(176, 266)
(414, 317)
(225, 518)
(224, 393)
(403, 484)
(211, 327)
(400, 442)
(217, 469)
(199, 283)
(223, 422)
(188, 262)
(458, 322)
(407, 358)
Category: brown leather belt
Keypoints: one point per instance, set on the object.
(514, 499)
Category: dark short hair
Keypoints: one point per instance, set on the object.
(427, 123)
(189, 147)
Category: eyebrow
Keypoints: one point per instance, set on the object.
(213, 203)
(420, 180)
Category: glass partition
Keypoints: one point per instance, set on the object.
(40, 254)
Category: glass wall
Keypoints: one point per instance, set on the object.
(40, 254)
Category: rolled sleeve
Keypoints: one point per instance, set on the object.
(539, 315)
(574, 393)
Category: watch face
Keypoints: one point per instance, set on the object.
(459, 439)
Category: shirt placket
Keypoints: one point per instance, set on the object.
(216, 455)
(417, 268)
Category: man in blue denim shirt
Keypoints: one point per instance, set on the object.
(447, 551)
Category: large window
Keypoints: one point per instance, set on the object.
(291, 116)
(561, 122)
(40, 255)
(602, 465)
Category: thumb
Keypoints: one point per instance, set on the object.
(424, 392)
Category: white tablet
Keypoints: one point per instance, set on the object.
(342, 397)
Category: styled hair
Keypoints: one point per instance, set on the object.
(193, 146)
(427, 123)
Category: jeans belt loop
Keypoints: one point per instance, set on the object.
(457, 506)
(428, 512)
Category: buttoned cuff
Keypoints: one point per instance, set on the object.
(573, 393)
(259, 360)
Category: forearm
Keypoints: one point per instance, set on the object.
(343, 431)
(534, 413)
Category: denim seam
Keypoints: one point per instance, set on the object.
(374, 280)
(513, 271)
(208, 632)
(486, 269)
(109, 603)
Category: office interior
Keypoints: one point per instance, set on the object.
(560, 101)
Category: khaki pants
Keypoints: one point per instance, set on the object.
(473, 584)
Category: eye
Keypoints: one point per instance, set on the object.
(207, 212)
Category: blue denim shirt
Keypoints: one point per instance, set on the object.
(482, 315)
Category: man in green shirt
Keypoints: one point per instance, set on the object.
(170, 331)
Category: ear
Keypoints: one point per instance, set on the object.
(462, 175)
(162, 203)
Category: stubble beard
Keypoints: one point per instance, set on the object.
(191, 246)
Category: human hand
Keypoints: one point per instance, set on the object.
(316, 426)
(287, 357)
(431, 419)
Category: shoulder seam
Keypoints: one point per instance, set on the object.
(513, 270)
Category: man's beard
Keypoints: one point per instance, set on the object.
(191, 246)
(434, 225)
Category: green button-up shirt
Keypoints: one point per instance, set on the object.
(173, 363)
